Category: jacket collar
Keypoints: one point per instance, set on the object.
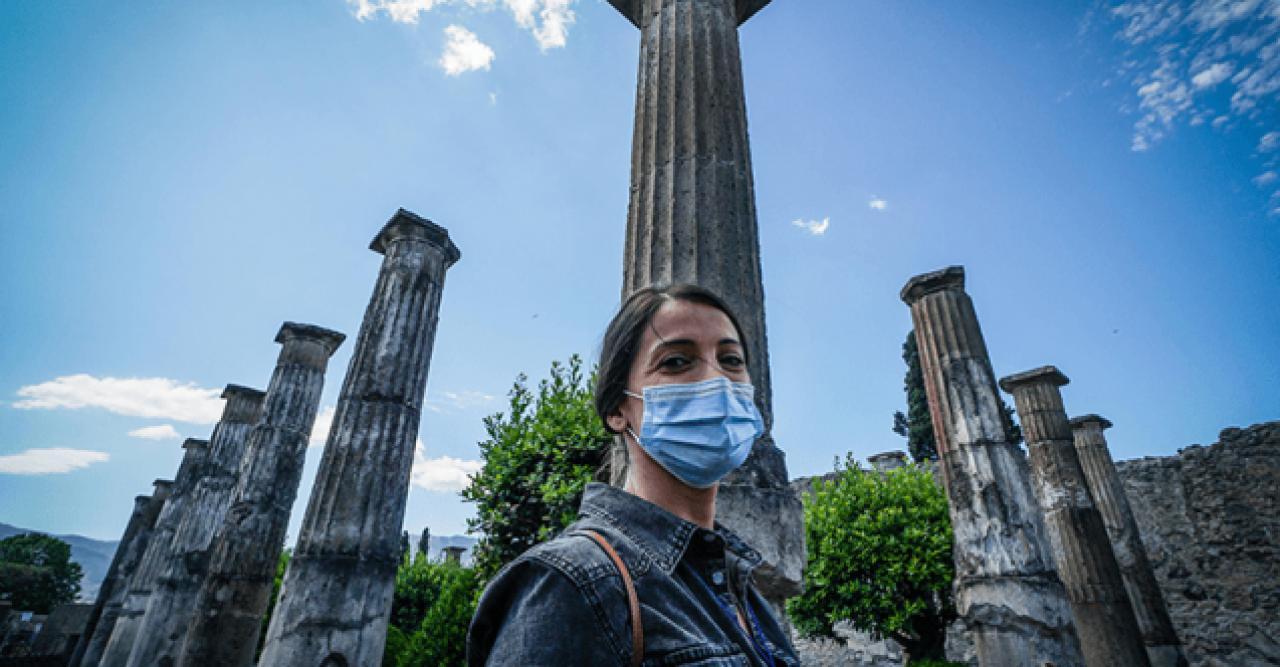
(659, 534)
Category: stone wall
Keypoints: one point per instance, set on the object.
(1210, 521)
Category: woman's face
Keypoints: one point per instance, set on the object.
(686, 342)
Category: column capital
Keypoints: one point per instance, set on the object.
(632, 9)
(1085, 420)
(162, 484)
(327, 338)
(925, 284)
(195, 443)
(233, 390)
(1043, 375)
(407, 223)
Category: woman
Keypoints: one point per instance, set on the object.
(644, 574)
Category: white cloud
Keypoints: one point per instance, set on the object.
(159, 432)
(153, 398)
(464, 52)
(1212, 75)
(444, 473)
(1269, 142)
(50, 461)
(493, 99)
(547, 20)
(324, 422)
(450, 401)
(877, 204)
(1266, 178)
(400, 11)
(814, 227)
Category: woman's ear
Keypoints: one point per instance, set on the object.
(617, 423)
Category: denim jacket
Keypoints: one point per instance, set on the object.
(562, 603)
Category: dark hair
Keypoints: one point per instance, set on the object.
(618, 349)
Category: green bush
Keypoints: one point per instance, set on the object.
(37, 573)
(537, 461)
(879, 549)
(430, 612)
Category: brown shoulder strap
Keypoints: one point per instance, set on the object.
(633, 602)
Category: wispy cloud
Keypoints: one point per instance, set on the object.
(1269, 142)
(443, 473)
(159, 432)
(464, 52)
(1195, 60)
(814, 227)
(451, 401)
(50, 461)
(324, 422)
(877, 204)
(153, 398)
(1266, 178)
(547, 20)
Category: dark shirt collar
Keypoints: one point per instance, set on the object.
(661, 535)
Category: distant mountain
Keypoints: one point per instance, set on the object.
(94, 557)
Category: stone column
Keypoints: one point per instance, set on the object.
(692, 218)
(227, 616)
(115, 587)
(1163, 647)
(169, 610)
(453, 555)
(1006, 588)
(335, 601)
(1104, 618)
(159, 551)
(886, 461)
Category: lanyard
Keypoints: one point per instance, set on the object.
(755, 632)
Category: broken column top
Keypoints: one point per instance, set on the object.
(329, 338)
(885, 461)
(633, 9)
(161, 486)
(925, 284)
(195, 443)
(407, 223)
(1085, 420)
(1044, 374)
(232, 390)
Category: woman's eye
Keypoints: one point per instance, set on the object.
(673, 363)
(732, 360)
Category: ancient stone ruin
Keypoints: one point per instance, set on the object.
(336, 597)
(692, 218)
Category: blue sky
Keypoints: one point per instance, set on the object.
(178, 179)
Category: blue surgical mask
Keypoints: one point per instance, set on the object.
(701, 431)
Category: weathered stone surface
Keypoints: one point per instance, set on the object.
(854, 648)
(335, 601)
(228, 612)
(159, 551)
(1163, 648)
(1006, 587)
(173, 598)
(110, 582)
(886, 461)
(753, 514)
(692, 213)
(129, 553)
(1103, 615)
(1210, 523)
(65, 623)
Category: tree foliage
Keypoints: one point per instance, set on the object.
(37, 573)
(917, 425)
(879, 550)
(424, 542)
(433, 605)
(538, 458)
(282, 566)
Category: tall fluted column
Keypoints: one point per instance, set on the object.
(1006, 588)
(336, 597)
(115, 587)
(159, 551)
(692, 219)
(227, 617)
(1163, 647)
(1104, 618)
(169, 610)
